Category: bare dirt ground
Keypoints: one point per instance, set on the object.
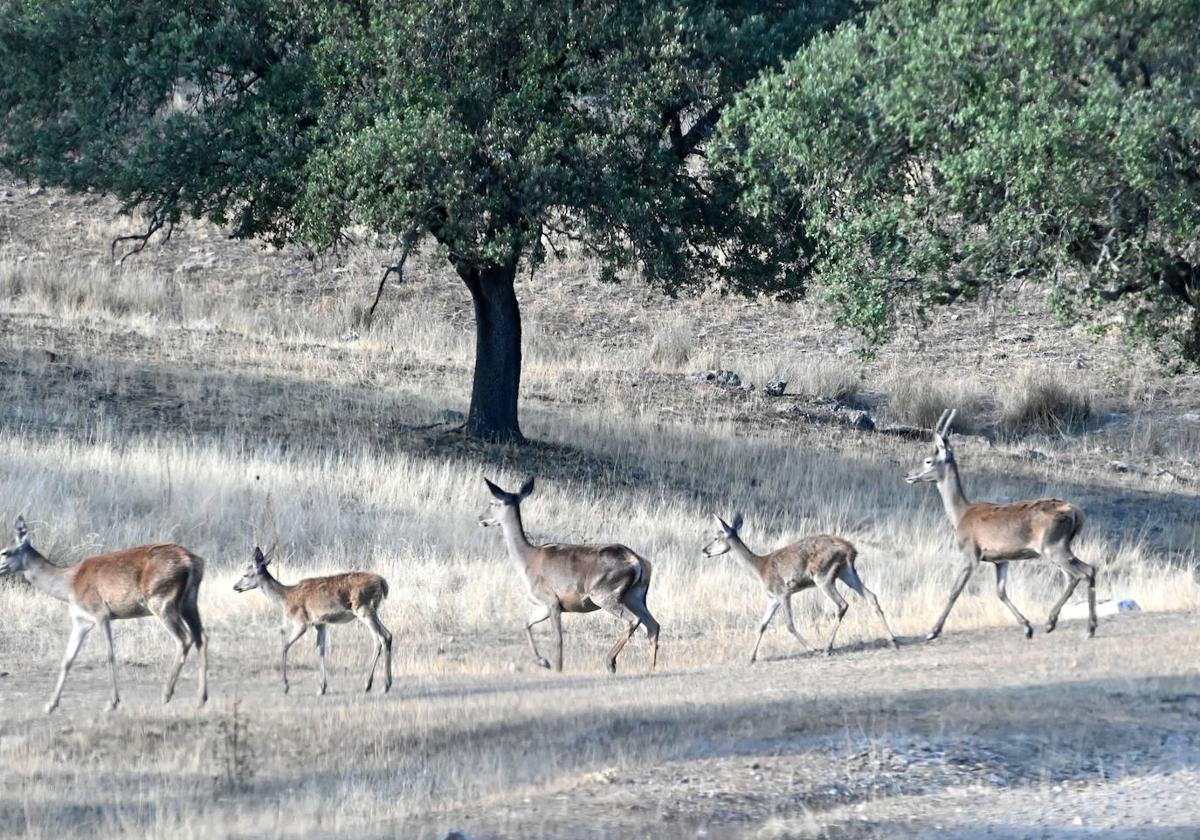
(981, 734)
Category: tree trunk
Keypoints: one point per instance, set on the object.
(494, 392)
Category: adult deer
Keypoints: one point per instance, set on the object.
(1001, 533)
(318, 601)
(813, 561)
(158, 580)
(574, 579)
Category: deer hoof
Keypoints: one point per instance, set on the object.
(1091, 633)
(112, 705)
(387, 686)
(50, 707)
(895, 644)
(1050, 625)
(1028, 631)
(932, 636)
(543, 662)
(611, 666)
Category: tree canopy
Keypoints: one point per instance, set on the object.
(501, 129)
(929, 151)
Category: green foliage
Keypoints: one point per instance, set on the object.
(502, 128)
(495, 126)
(934, 150)
(200, 109)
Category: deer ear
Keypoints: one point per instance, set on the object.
(259, 558)
(724, 525)
(496, 491)
(525, 490)
(20, 531)
(737, 523)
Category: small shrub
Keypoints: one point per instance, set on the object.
(1037, 402)
(672, 347)
(918, 399)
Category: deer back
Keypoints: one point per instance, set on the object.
(335, 597)
(124, 584)
(574, 571)
(1014, 526)
(806, 560)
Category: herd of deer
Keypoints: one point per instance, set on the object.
(164, 580)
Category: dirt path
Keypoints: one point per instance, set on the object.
(979, 734)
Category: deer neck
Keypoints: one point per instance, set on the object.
(273, 589)
(519, 548)
(754, 562)
(954, 500)
(43, 575)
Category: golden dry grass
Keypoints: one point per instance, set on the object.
(220, 396)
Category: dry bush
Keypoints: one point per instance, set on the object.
(673, 344)
(918, 398)
(1039, 402)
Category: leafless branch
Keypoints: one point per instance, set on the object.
(397, 268)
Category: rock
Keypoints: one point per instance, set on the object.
(1109, 607)
(858, 419)
(36, 189)
(1170, 477)
(456, 835)
(450, 417)
(775, 387)
(1119, 466)
(1018, 337)
(1036, 455)
(910, 432)
(724, 378)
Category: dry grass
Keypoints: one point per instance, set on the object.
(219, 397)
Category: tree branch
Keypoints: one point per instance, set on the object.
(410, 237)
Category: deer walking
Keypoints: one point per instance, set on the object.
(159, 580)
(318, 601)
(813, 561)
(1001, 533)
(574, 579)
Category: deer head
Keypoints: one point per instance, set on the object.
(16, 557)
(503, 503)
(937, 465)
(258, 568)
(721, 542)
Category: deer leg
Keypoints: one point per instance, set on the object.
(963, 576)
(556, 625)
(850, 577)
(540, 613)
(624, 613)
(289, 636)
(321, 657)
(762, 627)
(179, 631)
(790, 619)
(80, 627)
(190, 613)
(637, 603)
(383, 642)
(840, 606)
(1002, 592)
(1076, 570)
(112, 664)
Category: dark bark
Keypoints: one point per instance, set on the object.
(494, 392)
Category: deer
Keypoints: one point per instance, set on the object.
(816, 560)
(574, 579)
(1000, 533)
(151, 580)
(319, 601)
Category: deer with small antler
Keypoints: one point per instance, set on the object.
(812, 561)
(158, 580)
(573, 578)
(318, 601)
(999, 533)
